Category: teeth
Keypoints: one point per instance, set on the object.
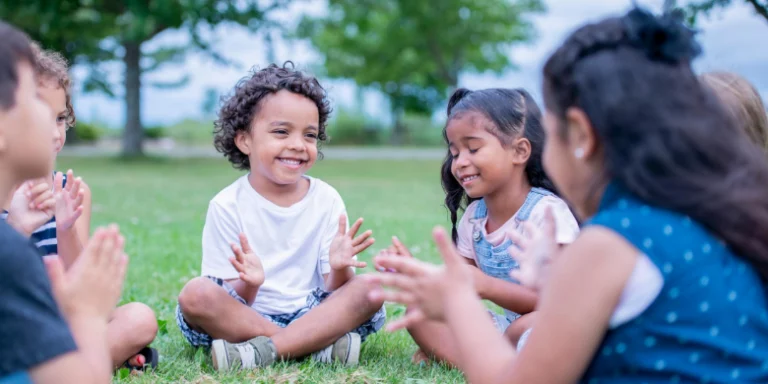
(468, 178)
(290, 161)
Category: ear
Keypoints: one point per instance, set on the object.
(581, 135)
(522, 150)
(243, 142)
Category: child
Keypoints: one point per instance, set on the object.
(60, 224)
(46, 340)
(289, 289)
(665, 283)
(743, 102)
(494, 139)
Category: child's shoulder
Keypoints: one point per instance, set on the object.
(322, 190)
(229, 195)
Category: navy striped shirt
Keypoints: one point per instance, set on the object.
(44, 237)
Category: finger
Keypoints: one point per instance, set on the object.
(359, 239)
(446, 248)
(404, 265)
(44, 201)
(55, 271)
(550, 226)
(357, 263)
(58, 180)
(78, 198)
(410, 319)
(108, 247)
(71, 180)
(43, 195)
(342, 224)
(75, 187)
(237, 264)
(238, 252)
(400, 247)
(362, 247)
(517, 238)
(402, 297)
(38, 189)
(245, 246)
(395, 280)
(356, 227)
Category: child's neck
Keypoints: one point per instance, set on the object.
(504, 203)
(283, 195)
(7, 187)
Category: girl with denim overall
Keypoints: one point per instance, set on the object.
(493, 172)
(666, 282)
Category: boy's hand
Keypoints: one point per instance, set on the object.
(423, 287)
(91, 287)
(32, 205)
(346, 246)
(69, 200)
(247, 263)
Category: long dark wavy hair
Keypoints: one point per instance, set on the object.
(663, 135)
(513, 112)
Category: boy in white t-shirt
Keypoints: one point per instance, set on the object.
(289, 289)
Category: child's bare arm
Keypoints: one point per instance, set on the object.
(505, 294)
(86, 294)
(89, 364)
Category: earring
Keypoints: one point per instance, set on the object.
(579, 153)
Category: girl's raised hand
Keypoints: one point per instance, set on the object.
(69, 199)
(423, 287)
(535, 249)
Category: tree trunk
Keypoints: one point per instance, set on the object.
(133, 134)
(399, 131)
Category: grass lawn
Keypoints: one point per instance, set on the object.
(160, 206)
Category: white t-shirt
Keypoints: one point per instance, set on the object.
(567, 228)
(292, 242)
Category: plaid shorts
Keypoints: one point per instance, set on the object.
(201, 339)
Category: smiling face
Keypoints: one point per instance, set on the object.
(480, 162)
(281, 143)
(56, 98)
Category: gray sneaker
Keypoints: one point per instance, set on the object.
(255, 353)
(345, 350)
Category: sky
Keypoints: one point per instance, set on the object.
(733, 40)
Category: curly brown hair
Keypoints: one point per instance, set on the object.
(52, 66)
(239, 109)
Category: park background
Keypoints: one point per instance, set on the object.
(149, 76)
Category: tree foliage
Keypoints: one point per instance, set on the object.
(414, 51)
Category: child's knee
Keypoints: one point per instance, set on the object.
(196, 296)
(362, 289)
(142, 321)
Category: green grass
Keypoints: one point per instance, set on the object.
(160, 206)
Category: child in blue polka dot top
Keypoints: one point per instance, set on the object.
(666, 281)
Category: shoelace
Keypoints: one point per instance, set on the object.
(324, 355)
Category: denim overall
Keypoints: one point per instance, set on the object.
(495, 261)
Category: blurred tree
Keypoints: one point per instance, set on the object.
(92, 32)
(694, 8)
(210, 102)
(414, 51)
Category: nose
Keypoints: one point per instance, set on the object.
(296, 143)
(461, 160)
